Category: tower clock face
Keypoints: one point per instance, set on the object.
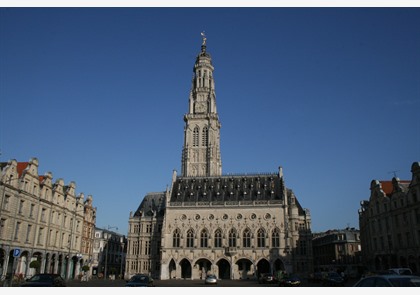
(200, 107)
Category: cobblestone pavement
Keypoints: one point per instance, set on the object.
(188, 283)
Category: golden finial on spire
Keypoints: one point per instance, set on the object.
(203, 35)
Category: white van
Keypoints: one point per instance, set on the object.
(401, 271)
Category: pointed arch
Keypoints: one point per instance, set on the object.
(190, 238)
(204, 238)
(232, 238)
(275, 238)
(246, 238)
(205, 136)
(176, 238)
(196, 133)
(261, 237)
(218, 238)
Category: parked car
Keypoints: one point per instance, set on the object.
(266, 278)
(44, 280)
(392, 280)
(211, 280)
(333, 279)
(140, 280)
(290, 281)
(400, 271)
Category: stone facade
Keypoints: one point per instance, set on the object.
(47, 221)
(338, 250)
(201, 152)
(390, 223)
(233, 226)
(109, 251)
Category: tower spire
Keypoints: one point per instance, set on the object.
(201, 152)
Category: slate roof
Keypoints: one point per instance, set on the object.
(227, 188)
(152, 202)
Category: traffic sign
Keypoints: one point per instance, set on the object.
(16, 252)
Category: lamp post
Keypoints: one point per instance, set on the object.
(106, 251)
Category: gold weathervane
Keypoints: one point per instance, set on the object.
(204, 38)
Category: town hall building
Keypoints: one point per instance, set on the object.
(236, 226)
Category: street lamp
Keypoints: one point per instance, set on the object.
(106, 251)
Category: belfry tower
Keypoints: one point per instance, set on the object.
(201, 151)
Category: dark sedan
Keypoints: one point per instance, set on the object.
(45, 280)
(140, 280)
(333, 279)
(389, 281)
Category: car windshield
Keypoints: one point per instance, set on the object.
(405, 282)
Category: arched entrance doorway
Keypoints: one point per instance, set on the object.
(244, 268)
(61, 267)
(2, 261)
(185, 269)
(204, 265)
(263, 266)
(73, 266)
(278, 265)
(224, 269)
(37, 256)
(50, 268)
(172, 269)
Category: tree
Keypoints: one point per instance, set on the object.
(35, 264)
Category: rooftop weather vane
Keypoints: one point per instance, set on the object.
(204, 38)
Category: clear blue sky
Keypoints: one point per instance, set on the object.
(98, 96)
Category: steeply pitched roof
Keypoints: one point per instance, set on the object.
(227, 188)
(388, 187)
(153, 203)
(21, 166)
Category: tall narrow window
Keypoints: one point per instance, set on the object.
(17, 229)
(246, 238)
(43, 211)
(6, 202)
(204, 239)
(40, 235)
(3, 226)
(190, 238)
(176, 239)
(28, 232)
(22, 202)
(218, 238)
(261, 238)
(31, 213)
(275, 238)
(205, 135)
(147, 248)
(195, 136)
(232, 238)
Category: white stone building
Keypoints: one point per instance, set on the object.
(43, 221)
(390, 224)
(234, 226)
